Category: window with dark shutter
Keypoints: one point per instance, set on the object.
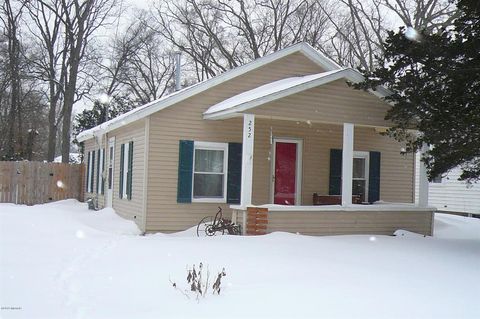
(185, 166)
(234, 178)
(103, 170)
(335, 180)
(122, 157)
(87, 184)
(92, 172)
(130, 170)
(362, 186)
(98, 171)
(374, 177)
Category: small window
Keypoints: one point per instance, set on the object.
(126, 170)
(360, 175)
(90, 171)
(110, 168)
(209, 172)
(100, 169)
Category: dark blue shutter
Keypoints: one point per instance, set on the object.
(335, 181)
(103, 167)
(234, 176)
(130, 170)
(120, 186)
(374, 177)
(88, 173)
(185, 169)
(92, 189)
(98, 171)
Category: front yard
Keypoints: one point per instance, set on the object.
(60, 260)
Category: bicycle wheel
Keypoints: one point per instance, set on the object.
(206, 227)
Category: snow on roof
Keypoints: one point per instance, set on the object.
(75, 158)
(122, 118)
(166, 101)
(275, 90)
(266, 90)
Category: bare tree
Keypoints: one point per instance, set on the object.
(140, 67)
(423, 14)
(219, 35)
(80, 19)
(360, 26)
(49, 65)
(10, 17)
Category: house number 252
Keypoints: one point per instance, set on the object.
(249, 129)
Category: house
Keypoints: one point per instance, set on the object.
(448, 194)
(270, 133)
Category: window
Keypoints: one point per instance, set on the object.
(126, 170)
(100, 169)
(110, 167)
(90, 170)
(360, 175)
(209, 172)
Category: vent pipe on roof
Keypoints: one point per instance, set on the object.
(178, 59)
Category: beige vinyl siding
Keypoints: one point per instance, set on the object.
(89, 146)
(357, 222)
(164, 213)
(130, 209)
(330, 103)
(184, 121)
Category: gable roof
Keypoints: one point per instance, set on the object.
(171, 99)
(278, 89)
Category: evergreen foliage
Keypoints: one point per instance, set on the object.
(435, 80)
(90, 118)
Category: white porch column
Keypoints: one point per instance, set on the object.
(247, 159)
(347, 164)
(423, 180)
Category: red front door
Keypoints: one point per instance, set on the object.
(285, 173)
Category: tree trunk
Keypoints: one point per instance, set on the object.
(69, 99)
(52, 127)
(67, 119)
(13, 61)
(52, 133)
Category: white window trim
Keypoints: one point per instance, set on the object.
(100, 171)
(366, 156)
(90, 173)
(217, 147)
(125, 170)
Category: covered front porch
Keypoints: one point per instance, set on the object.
(292, 156)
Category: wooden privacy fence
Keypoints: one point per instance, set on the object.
(37, 182)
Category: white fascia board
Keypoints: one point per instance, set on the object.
(322, 60)
(188, 92)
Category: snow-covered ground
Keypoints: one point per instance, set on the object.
(60, 260)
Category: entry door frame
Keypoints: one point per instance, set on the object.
(298, 171)
(109, 192)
